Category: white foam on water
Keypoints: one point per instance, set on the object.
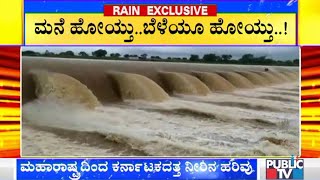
(162, 129)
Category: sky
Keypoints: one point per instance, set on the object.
(275, 52)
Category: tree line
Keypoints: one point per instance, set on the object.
(207, 58)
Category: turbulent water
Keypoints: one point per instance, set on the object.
(158, 110)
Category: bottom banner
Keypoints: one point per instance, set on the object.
(7, 169)
(134, 168)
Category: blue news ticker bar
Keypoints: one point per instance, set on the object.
(198, 1)
(118, 168)
(223, 6)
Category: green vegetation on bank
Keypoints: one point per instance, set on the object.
(207, 58)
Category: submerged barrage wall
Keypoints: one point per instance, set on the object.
(105, 81)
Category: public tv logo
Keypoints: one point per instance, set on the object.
(284, 168)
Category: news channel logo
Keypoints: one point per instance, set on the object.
(285, 168)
